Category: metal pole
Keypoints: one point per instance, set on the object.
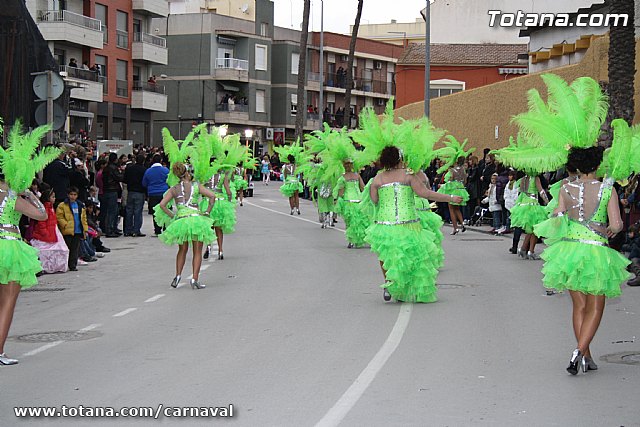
(321, 109)
(50, 106)
(427, 58)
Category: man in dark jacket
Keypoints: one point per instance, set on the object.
(133, 175)
(79, 179)
(57, 174)
(111, 178)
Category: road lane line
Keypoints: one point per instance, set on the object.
(43, 348)
(204, 267)
(90, 327)
(125, 312)
(292, 216)
(155, 298)
(350, 397)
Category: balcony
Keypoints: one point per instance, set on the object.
(154, 8)
(313, 81)
(313, 121)
(234, 113)
(149, 48)
(148, 96)
(62, 25)
(232, 69)
(381, 88)
(85, 84)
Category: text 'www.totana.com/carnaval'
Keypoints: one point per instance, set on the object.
(161, 410)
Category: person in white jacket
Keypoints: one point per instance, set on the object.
(494, 206)
(511, 192)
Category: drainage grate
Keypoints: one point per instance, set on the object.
(624, 358)
(58, 336)
(44, 290)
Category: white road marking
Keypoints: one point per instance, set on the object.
(293, 216)
(155, 298)
(43, 348)
(125, 312)
(204, 267)
(267, 200)
(90, 327)
(350, 397)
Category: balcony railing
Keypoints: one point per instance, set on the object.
(122, 88)
(232, 63)
(122, 39)
(148, 87)
(233, 108)
(69, 17)
(313, 77)
(79, 73)
(365, 85)
(150, 39)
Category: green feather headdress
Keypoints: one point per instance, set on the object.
(20, 162)
(418, 149)
(571, 117)
(233, 153)
(248, 161)
(623, 157)
(375, 134)
(179, 151)
(295, 149)
(339, 149)
(531, 157)
(451, 152)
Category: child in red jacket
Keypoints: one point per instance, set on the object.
(46, 237)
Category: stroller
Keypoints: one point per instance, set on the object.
(481, 216)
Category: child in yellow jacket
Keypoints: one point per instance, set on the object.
(72, 221)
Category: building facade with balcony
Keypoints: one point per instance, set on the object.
(243, 74)
(114, 49)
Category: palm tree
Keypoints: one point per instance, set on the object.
(300, 111)
(352, 50)
(622, 66)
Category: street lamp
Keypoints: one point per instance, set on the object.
(165, 77)
(427, 56)
(248, 133)
(222, 130)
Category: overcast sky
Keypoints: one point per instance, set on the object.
(339, 14)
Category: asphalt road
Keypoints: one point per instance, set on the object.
(292, 331)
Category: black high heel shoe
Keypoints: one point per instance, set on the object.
(386, 295)
(175, 281)
(220, 256)
(575, 362)
(464, 228)
(454, 232)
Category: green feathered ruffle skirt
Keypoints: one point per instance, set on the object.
(240, 184)
(188, 229)
(409, 256)
(526, 215)
(356, 221)
(288, 189)
(432, 222)
(455, 188)
(19, 263)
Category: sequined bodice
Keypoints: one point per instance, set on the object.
(396, 204)
(9, 217)
(422, 204)
(584, 228)
(352, 190)
(188, 206)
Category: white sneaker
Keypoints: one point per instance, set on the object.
(501, 230)
(99, 255)
(82, 262)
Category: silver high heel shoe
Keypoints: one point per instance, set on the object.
(175, 281)
(4, 360)
(220, 256)
(196, 285)
(591, 365)
(574, 362)
(298, 210)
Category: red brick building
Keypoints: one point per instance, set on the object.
(455, 67)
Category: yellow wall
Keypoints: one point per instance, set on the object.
(474, 113)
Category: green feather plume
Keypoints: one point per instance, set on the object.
(19, 162)
(417, 149)
(454, 149)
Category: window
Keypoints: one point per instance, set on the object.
(122, 26)
(101, 62)
(122, 85)
(294, 104)
(101, 14)
(261, 57)
(264, 29)
(260, 101)
(295, 63)
(60, 56)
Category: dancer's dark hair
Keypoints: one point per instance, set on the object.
(390, 157)
(585, 160)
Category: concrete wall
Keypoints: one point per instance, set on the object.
(473, 114)
(222, 7)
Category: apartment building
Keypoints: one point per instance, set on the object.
(243, 73)
(114, 49)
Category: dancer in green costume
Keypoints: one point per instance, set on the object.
(19, 262)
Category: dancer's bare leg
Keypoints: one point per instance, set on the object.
(592, 316)
(181, 258)
(454, 218)
(8, 297)
(196, 263)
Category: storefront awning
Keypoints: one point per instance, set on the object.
(81, 114)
